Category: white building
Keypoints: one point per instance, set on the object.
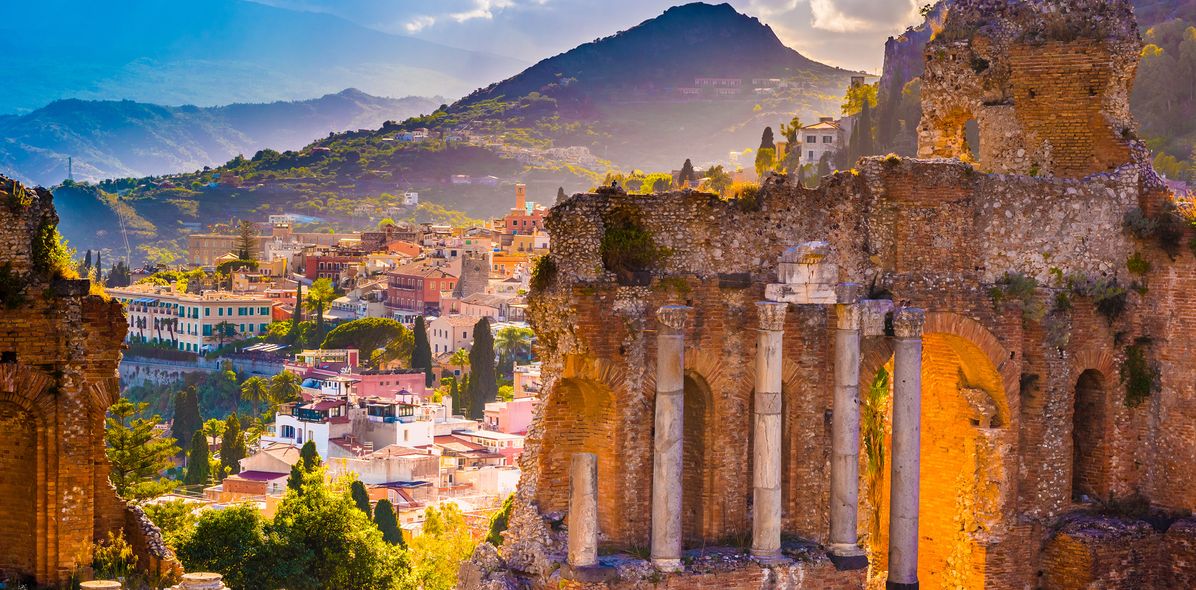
(820, 139)
(191, 322)
(410, 199)
(448, 334)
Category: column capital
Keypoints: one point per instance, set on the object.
(772, 315)
(848, 315)
(673, 316)
(848, 292)
(908, 322)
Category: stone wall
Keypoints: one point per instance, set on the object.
(1119, 552)
(59, 351)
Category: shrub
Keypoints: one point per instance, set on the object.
(626, 245)
(543, 273)
(1139, 375)
(1107, 295)
(1019, 288)
(1137, 264)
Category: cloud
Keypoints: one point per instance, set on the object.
(419, 23)
(853, 16)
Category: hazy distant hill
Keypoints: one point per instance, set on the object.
(216, 52)
(110, 139)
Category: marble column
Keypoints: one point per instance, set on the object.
(583, 510)
(668, 444)
(845, 433)
(766, 446)
(907, 412)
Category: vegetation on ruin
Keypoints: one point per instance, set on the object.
(627, 246)
(1018, 289)
(51, 254)
(16, 197)
(1137, 264)
(499, 520)
(873, 429)
(543, 274)
(1138, 374)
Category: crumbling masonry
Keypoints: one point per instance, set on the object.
(59, 351)
(969, 376)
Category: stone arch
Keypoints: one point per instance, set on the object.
(965, 424)
(581, 409)
(1090, 427)
(27, 454)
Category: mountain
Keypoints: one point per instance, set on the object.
(110, 139)
(1152, 12)
(217, 52)
(629, 101)
(625, 96)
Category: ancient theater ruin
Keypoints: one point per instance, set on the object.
(59, 350)
(937, 372)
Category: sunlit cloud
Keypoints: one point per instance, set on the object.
(852, 16)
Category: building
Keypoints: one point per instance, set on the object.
(416, 289)
(450, 333)
(328, 262)
(337, 373)
(525, 217)
(509, 446)
(191, 322)
(511, 417)
(822, 139)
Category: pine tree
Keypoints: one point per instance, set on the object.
(137, 452)
(560, 194)
(246, 241)
(232, 445)
(384, 517)
(421, 352)
(295, 479)
(687, 177)
(186, 414)
(483, 376)
(466, 396)
(197, 460)
(360, 496)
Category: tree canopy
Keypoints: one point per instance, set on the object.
(137, 451)
(368, 335)
(483, 381)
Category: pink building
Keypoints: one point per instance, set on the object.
(336, 372)
(510, 446)
(511, 417)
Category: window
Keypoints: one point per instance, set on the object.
(207, 311)
(207, 330)
(811, 154)
(827, 139)
(287, 431)
(220, 311)
(811, 139)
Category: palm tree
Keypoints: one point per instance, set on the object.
(256, 390)
(512, 343)
(258, 427)
(212, 429)
(319, 295)
(224, 330)
(460, 359)
(284, 387)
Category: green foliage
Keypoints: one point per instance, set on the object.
(51, 254)
(483, 379)
(187, 419)
(1137, 264)
(137, 452)
(388, 523)
(498, 522)
(437, 553)
(543, 273)
(246, 246)
(174, 518)
(718, 180)
(372, 334)
(873, 427)
(1021, 290)
(361, 498)
(1107, 295)
(232, 542)
(15, 196)
(197, 461)
(657, 182)
(319, 296)
(853, 101)
(626, 245)
(687, 177)
(766, 161)
(1139, 375)
(513, 344)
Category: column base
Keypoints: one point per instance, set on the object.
(900, 586)
(589, 574)
(847, 557)
(668, 565)
(769, 557)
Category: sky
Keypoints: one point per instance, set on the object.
(845, 33)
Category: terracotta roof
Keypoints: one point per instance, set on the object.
(459, 320)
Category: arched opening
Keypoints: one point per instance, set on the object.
(18, 463)
(583, 416)
(697, 480)
(1087, 436)
(963, 414)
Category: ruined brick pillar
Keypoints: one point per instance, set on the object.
(670, 429)
(583, 510)
(845, 433)
(907, 434)
(766, 457)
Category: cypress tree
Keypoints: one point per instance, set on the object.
(687, 176)
(87, 261)
(186, 415)
(421, 352)
(99, 268)
(298, 315)
(466, 395)
(483, 376)
(197, 460)
(384, 517)
(360, 496)
(309, 456)
(560, 194)
(455, 391)
(232, 445)
(767, 142)
(295, 479)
